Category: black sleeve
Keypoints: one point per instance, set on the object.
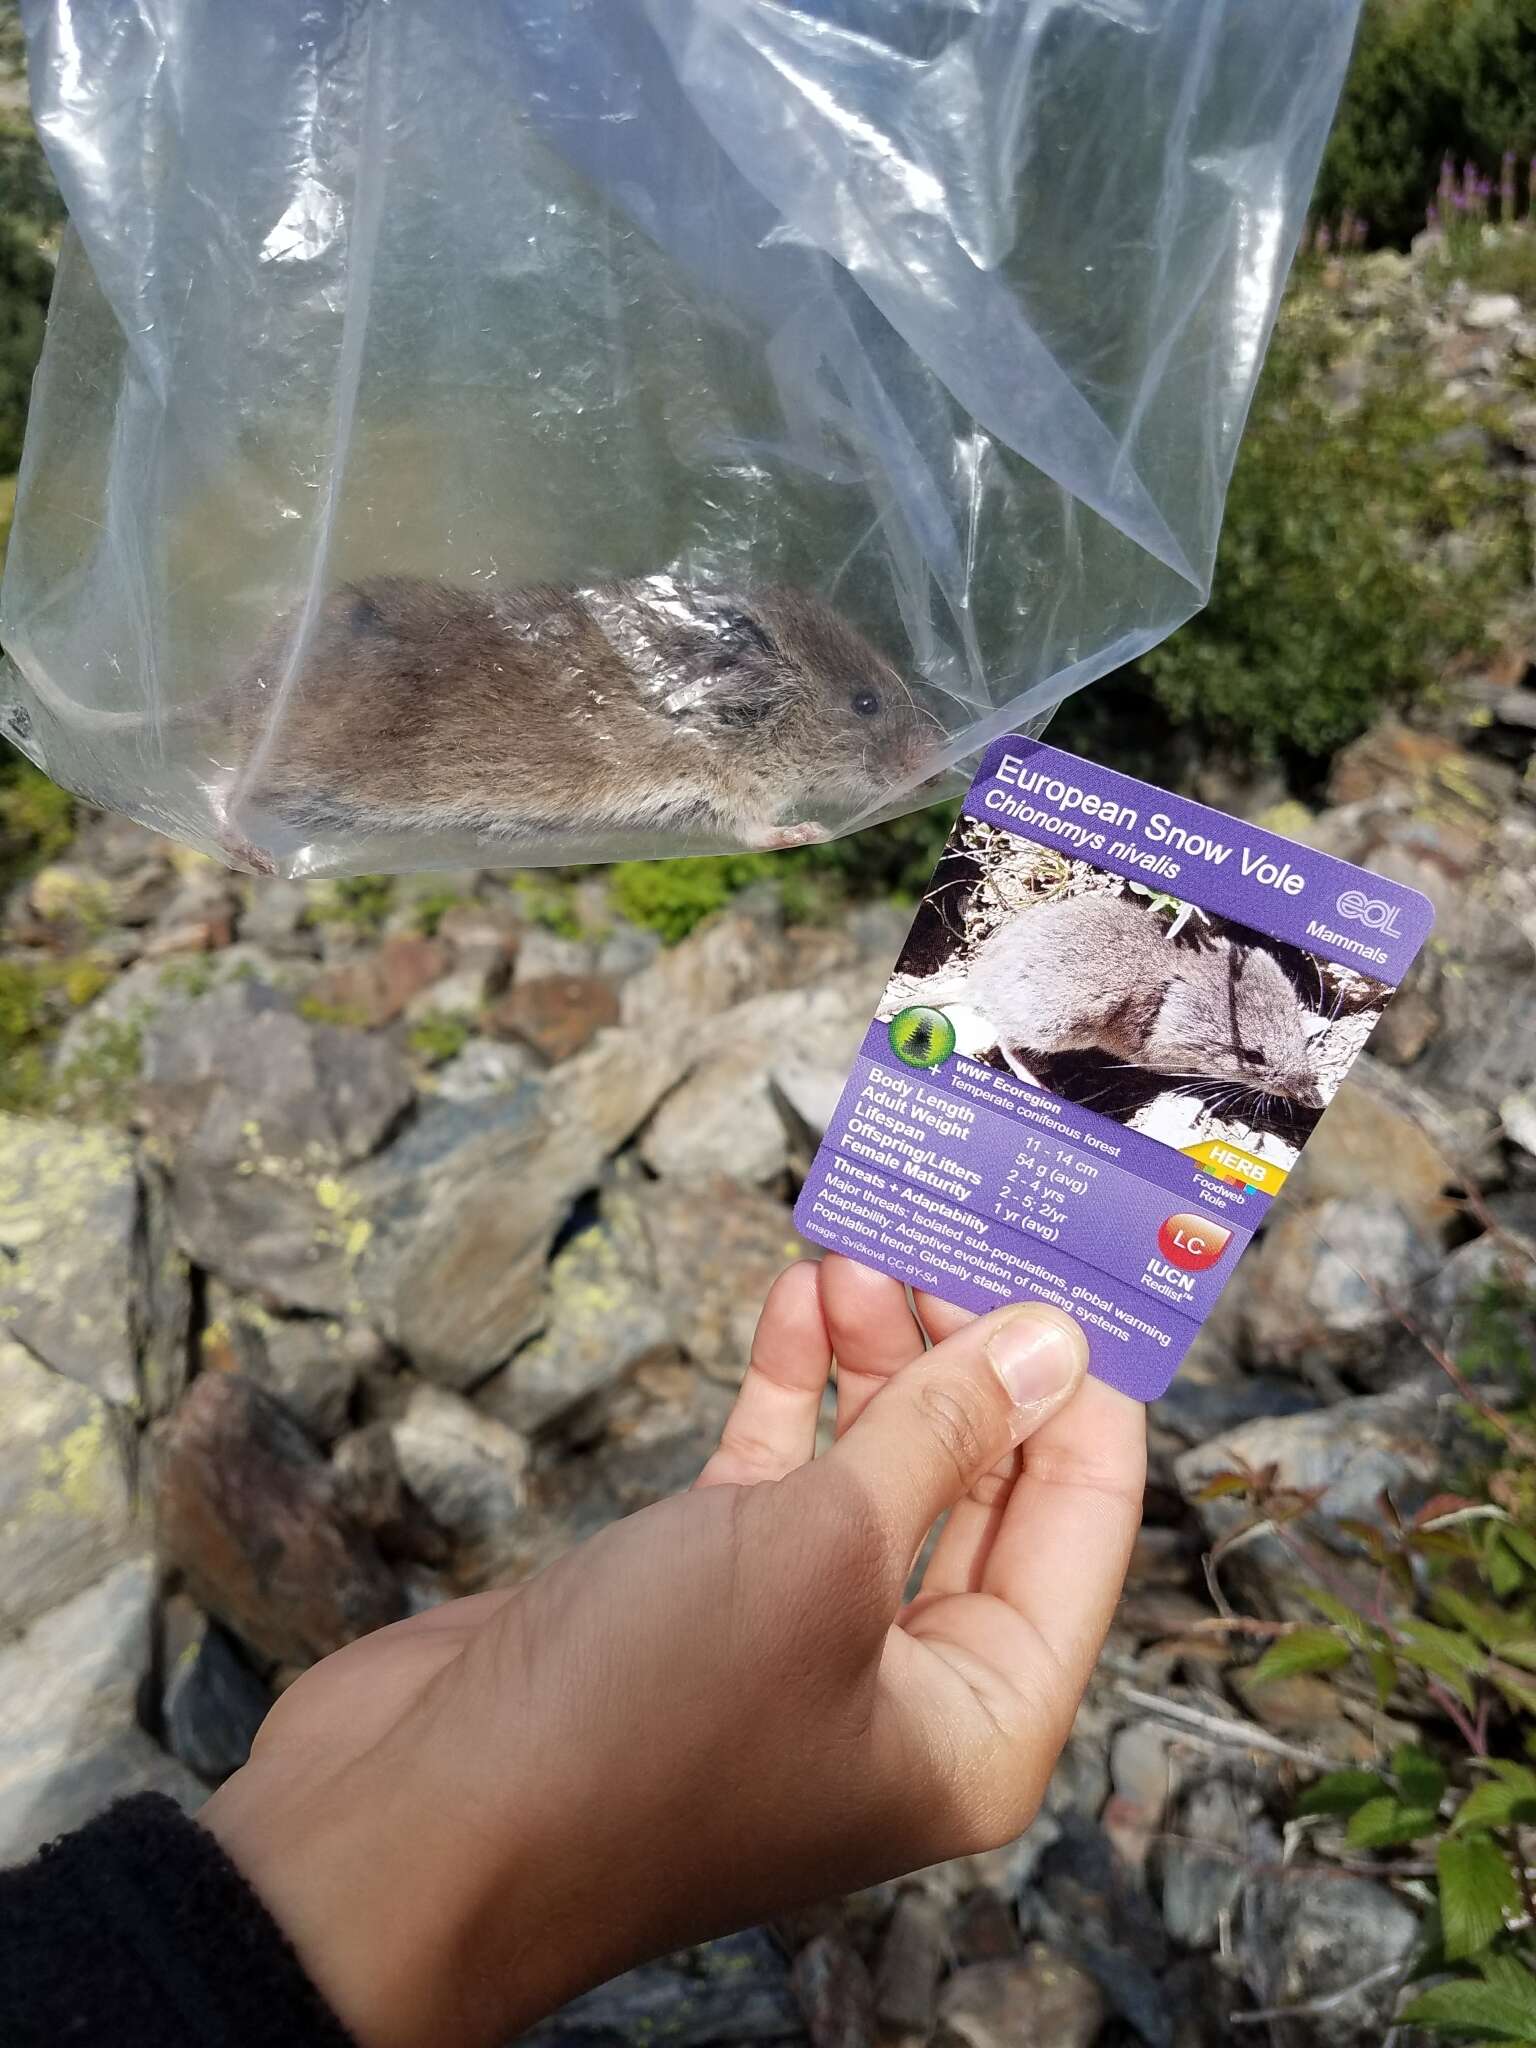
(138, 1932)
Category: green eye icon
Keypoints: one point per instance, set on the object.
(922, 1037)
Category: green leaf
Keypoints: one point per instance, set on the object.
(1519, 1650)
(1445, 1654)
(1382, 1823)
(1343, 1792)
(1304, 1649)
(1518, 1690)
(1224, 1483)
(1493, 1805)
(1354, 1625)
(1488, 1623)
(1383, 1672)
(1505, 1573)
(1420, 1779)
(1477, 1888)
(1521, 1776)
(1467, 2006)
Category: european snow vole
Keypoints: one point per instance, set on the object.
(547, 715)
(1094, 972)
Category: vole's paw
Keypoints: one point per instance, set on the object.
(241, 854)
(779, 838)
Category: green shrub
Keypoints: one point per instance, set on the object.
(1335, 595)
(1428, 77)
(1442, 1629)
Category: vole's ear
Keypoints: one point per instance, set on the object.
(739, 637)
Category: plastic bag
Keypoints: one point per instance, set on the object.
(515, 433)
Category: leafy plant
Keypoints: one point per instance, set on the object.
(1336, 594)
(438, 1038)
(1440, 1624)
(362, 901)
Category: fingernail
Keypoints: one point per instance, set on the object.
(1038, 1357)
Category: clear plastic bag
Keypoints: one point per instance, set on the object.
(517, 433)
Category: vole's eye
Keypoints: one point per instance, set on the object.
(865, 702)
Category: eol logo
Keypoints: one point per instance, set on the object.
(1371, 911)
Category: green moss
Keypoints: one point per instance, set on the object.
(361, 901)
(547, 897)
(191, 977)
(346, 1016)
(431, 906)
(672, 896)
(438, 1037)
(98, 1083)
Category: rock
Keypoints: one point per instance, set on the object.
(912, 1955)
(462, 993)
(1517, 1112)
(541, 953)
(277, 918)
(459, 1214)
(466, 1469)
(983, 1928)
(1308, 1935)
(1325, 1284)
(69, 1740)
(1399, 761)
(726, 1117)
(835, 1994)
(483, 933)
(1040, 1997)
(613, 1086)
(1371, 1141)
(253, 1112)
(66, 1508)
(371, 1488)
(715, 1249)
(1486, 310)
(600, 1320)
(1205, 1863)
(249, 1513)
(556, 1014)
(1144, 1771)
(214, 1704)
(806, 1095)
(738, 953)
(1088, 1909)
(730, 1991)
(69, 1288)
(483, 1068)
(626, 949)
(373, 991)
(310, 1363)
(721, 1119)
(1193, 1411)
(1348, 1453)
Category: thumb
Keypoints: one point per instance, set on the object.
(942, 1422)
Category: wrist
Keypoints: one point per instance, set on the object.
(418, 1923)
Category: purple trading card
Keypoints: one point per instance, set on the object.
(1116, 1021)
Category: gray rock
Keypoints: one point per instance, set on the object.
(460, 1214)
(626, 949)
(1037, 1997)
(311, 1363)
(69, 1740)
(466, 1469)
(277, 916)
(715, 1248)
(483, 1068)
(1487, 310)
(739, 953)
(1326, 1283)
(835, 1993)
(69, 1210)
(600, 1320)
(1206, 1861)
(912, 1956)
(66, 1509)
(257, 1523)
(1310, 1934)
(726, 1118)
(541, 953)
(214, 1704)
(735, 1990)
(253, 1112)
(1348, 1452)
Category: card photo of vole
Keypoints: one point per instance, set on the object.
(1176, 1022)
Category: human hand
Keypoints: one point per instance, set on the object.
(719, 1707)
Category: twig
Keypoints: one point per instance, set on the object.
(1236, 1733)
(1239, 1624)
(1328, 2002)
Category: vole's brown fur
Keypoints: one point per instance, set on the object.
(1094, 972)
(541, 713)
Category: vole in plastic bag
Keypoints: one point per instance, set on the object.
(542, 715)
(1094, 973)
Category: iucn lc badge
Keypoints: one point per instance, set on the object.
(1116, 1021)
